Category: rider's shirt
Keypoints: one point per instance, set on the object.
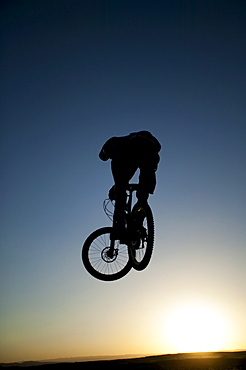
(136, 146)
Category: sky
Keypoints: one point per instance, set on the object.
(73, 74)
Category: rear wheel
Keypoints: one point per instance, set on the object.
(102, 262)
(142, 240)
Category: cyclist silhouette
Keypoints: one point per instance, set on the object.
(127, 154)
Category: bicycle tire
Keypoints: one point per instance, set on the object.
(96, 261)
(141, 254)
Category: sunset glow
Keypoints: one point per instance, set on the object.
(196, 328)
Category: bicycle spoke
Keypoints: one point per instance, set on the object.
(101, 260)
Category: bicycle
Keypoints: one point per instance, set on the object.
(107, 258)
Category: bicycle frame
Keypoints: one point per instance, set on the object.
(108, 258)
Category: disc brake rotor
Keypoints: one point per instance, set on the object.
(108, 256)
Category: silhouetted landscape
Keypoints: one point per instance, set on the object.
(183, 361)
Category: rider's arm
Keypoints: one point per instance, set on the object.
(108, 149)
(103, 155)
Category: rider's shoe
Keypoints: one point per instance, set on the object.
(121, 236)
(119, 229)
(119, 232)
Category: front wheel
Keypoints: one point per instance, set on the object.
(142, 240)
(101, 261)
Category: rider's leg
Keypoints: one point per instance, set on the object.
(147, 178)
(122, 172)
(147, 183)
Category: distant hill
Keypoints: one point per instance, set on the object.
(69, 360)
(181, 361)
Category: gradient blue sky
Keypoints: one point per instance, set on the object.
(75, 73)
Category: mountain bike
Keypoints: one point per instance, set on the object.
(107, 258)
